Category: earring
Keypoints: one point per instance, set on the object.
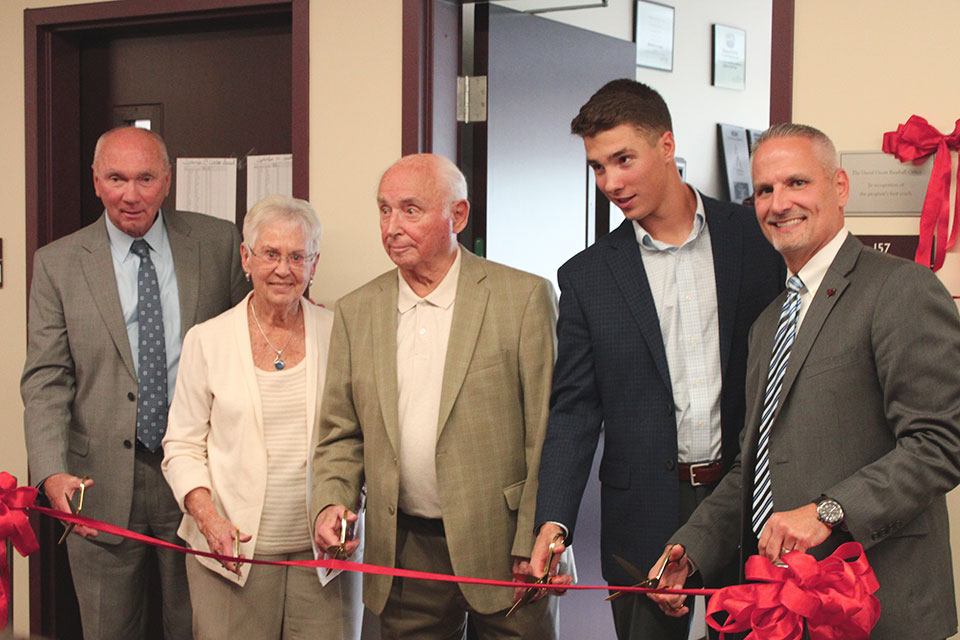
(311, 283)
(247, 275)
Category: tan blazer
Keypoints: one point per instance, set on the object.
(215, 432)
(79, 383)
(493, 415)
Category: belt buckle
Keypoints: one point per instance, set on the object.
(693, 473)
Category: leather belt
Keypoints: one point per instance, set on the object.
(423, 526)
(701, 473)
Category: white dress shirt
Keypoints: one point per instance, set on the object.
(813, 272)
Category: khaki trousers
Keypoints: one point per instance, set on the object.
(275, 602)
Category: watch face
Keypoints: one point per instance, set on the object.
(830, 512)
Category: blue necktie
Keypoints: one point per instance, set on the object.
(152, 382)
(786, 332)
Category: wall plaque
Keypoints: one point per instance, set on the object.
(881, 185)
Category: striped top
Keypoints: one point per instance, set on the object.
(283, 523)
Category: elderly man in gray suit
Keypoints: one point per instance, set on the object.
(109, 305)
(853, 396)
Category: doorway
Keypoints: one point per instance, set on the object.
(217, 78)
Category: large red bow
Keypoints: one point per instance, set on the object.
(15, 526)
(834, 597)
(914, 141)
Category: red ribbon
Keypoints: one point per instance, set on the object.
(834, 597)
(15, 527)
(914, 141)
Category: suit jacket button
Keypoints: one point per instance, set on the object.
(127, 444)
(670, 464)
(669, 409)
(391, 509)
(131, 397)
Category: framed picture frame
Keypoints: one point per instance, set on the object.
(735, 162)
(729, 57)
(653, 32)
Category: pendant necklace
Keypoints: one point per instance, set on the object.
(278, 362)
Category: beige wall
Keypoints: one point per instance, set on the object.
(861, 67)
(355, 58)
(355, 133)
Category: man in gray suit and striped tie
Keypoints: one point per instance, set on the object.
(109, 305)
(853, 406)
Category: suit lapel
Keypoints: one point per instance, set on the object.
(468, 312)
(186, 264)
(835, 281)
(727, 247)
(384, 319)
(97, 265)
(626, 267)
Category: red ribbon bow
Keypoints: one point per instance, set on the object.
(15, 526)
(914, 141)
(834, 596)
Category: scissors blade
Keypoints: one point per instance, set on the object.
(341, 551)
(629, 568)
(70, 525)
(528, 594)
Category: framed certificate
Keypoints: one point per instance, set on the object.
(729, 57)
(653, 32)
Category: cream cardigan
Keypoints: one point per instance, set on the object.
(214, 434)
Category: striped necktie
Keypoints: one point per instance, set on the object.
(152, 374)
(786, 332)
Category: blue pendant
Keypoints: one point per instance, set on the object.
(279, 364)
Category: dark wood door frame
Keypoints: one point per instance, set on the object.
(53, 152)
(51, 67)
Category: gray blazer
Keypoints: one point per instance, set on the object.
(79, 383)
(870, 416)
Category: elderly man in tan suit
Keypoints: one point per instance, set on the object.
(436, 399)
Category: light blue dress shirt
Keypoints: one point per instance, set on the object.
(126, 266)
(684, 289)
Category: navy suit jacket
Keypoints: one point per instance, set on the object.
(612, 370)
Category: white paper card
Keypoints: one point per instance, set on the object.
(269, 175)
(208, 185)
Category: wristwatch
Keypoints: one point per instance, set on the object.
(829, 511)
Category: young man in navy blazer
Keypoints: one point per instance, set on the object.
(652, 347)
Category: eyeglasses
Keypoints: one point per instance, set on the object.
(295, 260)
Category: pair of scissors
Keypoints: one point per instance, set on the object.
(340, 552)
(74, 510)
(544, 579)
(645, 582)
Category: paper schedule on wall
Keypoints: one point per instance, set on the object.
(208, 185)
(269, 175)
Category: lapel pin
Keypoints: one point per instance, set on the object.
(830, 292)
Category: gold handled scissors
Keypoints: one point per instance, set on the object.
(645, 583)
(544, 579)
(340, 552)
(74, 510)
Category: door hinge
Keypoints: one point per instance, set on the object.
(471, 99)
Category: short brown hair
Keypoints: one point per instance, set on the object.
(623, 101)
